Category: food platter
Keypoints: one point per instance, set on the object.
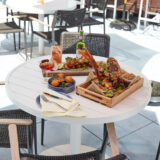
(72, 67)
(109, 84)
(71, 72)
(84, 91)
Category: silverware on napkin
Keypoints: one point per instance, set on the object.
(48, 101)
(66, 99)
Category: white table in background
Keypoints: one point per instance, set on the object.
(49, 7)
(25, 83)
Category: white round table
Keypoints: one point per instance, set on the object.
(151, 71)
(25, 83)
(49, 7)
(32, 6)
(151, 68)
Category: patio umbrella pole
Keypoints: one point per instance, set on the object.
(124, 10)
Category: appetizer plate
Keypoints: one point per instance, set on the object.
(69, 88)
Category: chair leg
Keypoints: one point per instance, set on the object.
(42, 131)
(89, 29)
(19, 35)
(104, 25)
(25, 40)
(31, 49)
(7, 13)
(35, 135)
(158, 152)
(28, 27)
(14, 37)
(29, 139)
(48, 21)
(104, 130)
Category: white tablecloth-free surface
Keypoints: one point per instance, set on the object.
(25, 82)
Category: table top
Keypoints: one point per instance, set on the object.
(151, 68)
(25, 83)
(49, 6)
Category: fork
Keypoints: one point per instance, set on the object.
(46, 100)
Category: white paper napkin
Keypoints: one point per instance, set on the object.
(52, 109)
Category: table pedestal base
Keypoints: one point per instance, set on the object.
(62, 150)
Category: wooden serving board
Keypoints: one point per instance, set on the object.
(109, 102)
(71, 72)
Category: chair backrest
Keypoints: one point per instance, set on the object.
(97, 44)
(100, 4)
(13, 136)
(68, 18)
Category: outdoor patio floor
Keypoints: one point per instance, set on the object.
(138, 136)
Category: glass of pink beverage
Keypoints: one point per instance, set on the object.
(56, 54)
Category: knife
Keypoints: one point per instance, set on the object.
(69, 100)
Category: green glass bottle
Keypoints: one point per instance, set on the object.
(80, 44)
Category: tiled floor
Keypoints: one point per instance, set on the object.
(139, 135)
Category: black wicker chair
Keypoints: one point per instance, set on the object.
(23, 19)
(21, 114)
(101, 5)
(94, 155)
(24, 135)
(12, 27)
(97, 44)
(63, 19)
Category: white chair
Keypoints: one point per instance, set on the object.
(155, 15)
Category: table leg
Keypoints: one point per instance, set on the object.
(41, 42)
(112, 138)
(75, 138)
(115, 9)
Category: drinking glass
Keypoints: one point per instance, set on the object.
(56, 54)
